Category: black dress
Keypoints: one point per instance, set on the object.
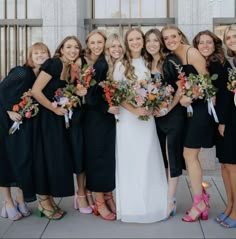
(226, 112)
(53, 168)
(171, 126)
(99, 136)
(16, 149)
(200, 127)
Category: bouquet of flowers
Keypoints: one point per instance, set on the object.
(199, 86)
(114, 92)
(26, 108)
(231, 84)
(84, 77)
(149, 93)
(66, 98)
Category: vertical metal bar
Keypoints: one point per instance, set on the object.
(17, 45)
(129, 8)
(167, 8)
(5, 10)
(1, 54)
(26, 9)
(93, 9)
(140, 8)
(8, 50)
(15, 10)
(120, 14)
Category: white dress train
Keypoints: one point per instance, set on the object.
(141, 185)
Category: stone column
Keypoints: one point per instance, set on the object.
(62, 18)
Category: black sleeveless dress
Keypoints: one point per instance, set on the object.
(200, 127)
(53, 166)
(171, 127)
(99, 135)
(16, 150)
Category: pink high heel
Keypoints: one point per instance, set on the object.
(85, 210)
(203, 214)
(10, 213)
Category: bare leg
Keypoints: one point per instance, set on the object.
(172, 186)
(7, 197)
(232, 172)
(228, 188)
(195, 175)
(82, 190)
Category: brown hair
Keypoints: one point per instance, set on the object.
(148, 57)
(227, 29)
(129, 69)
(36, 46)
(58, 54)
(218, 54)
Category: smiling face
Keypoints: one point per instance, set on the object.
(70, 50)
(115, 50)
(152, 44)
(135, 43)
(206, 45)
(96, 44)
(172, 39)
(230, 40)
(39, 56)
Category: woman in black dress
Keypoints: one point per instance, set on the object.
(199, 127)
(99, 129)
(170, 127)
(210, 46)
(53, 163)
(228, 132)
(17, 148)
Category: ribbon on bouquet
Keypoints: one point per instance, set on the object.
(211, 110)
(15, 126)
(117, 118)
(189, 110)
(235, 99)
(68, 116)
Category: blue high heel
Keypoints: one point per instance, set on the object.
(173, 211)
(221, 217)
(228, 223)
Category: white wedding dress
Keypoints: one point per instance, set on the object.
(141, 185)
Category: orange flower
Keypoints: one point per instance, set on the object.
(15, 108)
(151, 97)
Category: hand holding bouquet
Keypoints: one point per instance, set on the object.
(66, 98)
(26, 108)
(151, 94)
(197, 86)
(84, 77)
(231, 84)
(114, 92)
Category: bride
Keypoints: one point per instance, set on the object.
(141, 185)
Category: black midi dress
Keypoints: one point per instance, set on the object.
(16, 149)
(171, 127)
(53, 166)
(99, 135)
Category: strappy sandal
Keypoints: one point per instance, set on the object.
(56, 207)
(109, 217)
(43, 211)
(110, 202)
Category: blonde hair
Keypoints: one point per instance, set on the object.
(184, 39)
(129, 69)
(227, 29)
(36, 46)
(111, 64)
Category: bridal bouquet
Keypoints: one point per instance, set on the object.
(66, 97)
(231, 84)
(149, 93)
(197, 86)
(114, 92)
(26, 108)
(84, 77)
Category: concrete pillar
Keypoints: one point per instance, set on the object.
(62, 18)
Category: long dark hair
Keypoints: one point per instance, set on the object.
(218, 54)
